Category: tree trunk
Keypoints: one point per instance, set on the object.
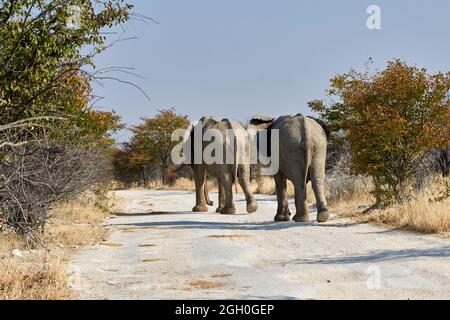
(444, 161)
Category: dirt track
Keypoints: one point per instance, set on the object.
(160, 250)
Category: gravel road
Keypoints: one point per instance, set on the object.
(158, 249)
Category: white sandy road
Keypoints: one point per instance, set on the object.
(178, 254)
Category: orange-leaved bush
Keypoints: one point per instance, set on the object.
(391, 119)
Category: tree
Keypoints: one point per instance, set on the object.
(391, 119)
(443, 158)
(152, 140)
(130, 165)
(54, 144)
(42, 58)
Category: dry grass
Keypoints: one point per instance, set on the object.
(202, 284)
(221, 275)
(111, 245)
(152, 260)
(37, 278)
(41, 273)
(133, 229)
(180, 184)
(348, 191)
(77, 223)
(422, 214)
(266, 185)
(37, 275)
(418, 215)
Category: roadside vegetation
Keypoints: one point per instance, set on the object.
(41, 272)
(389, 151)
(55, 146)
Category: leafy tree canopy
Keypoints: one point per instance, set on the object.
(391, 118)
(42, 59)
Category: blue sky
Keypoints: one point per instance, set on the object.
(236, 58)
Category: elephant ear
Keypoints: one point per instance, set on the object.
(261, 121)
(209, 121)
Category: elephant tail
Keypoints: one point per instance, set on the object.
(306, 139)
(236, 165)
(236, 178)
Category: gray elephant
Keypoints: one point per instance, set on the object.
(226, 174)
(302, 155)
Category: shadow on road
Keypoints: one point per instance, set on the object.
(243, 226)
(145, 214)
(378, 256)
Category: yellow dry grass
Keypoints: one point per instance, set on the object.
(266, 185)
(418, 215)
(202, 284)
(35, 277)
(134, 229)
(41, 273)
(221, 275)
(180, 184)
(152, 260)
(421, 214)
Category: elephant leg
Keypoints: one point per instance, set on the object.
(317, 174)
(227, 181)
(200, 178)
(244, 181)
(221, 196)
(283, 213)
(301, 206)
(209, 202)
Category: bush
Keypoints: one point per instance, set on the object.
(34, 177)
(53, 144)
(391, 120)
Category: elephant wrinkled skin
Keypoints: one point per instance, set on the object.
(302, 155)
(226, 174)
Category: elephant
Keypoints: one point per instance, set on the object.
(302, 155)
(209, 202)
(226, 174)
